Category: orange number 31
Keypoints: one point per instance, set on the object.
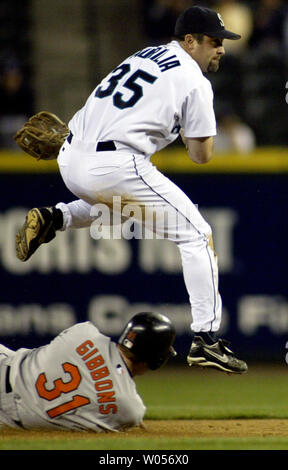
(62, 387)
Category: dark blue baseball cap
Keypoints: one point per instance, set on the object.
(204, 21)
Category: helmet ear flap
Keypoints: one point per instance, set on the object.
(148, 337)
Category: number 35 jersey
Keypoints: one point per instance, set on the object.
(142, 104)
(78, 381)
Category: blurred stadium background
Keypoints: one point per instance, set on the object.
(52, 54)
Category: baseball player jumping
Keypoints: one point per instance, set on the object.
(137, 110)
(83, 380)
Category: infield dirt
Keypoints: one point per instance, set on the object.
(218, 428)
(241, 428)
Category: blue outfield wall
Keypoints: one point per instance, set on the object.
(76, 278)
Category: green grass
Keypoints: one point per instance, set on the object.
(208, 394)
(271, 443)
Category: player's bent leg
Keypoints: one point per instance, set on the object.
(193, 236)
(76, 214)
(39, 227)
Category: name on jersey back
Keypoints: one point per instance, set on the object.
(99, 371)
(157, 54)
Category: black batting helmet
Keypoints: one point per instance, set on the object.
(149, 336)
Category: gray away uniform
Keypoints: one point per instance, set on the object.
(78, 381)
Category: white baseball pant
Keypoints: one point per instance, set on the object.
(96, 177)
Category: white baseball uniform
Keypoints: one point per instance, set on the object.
(137, 110)
(79, 381)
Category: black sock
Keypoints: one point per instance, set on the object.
(57, 215)
(207, 336)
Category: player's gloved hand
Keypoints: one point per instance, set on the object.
(42, 136)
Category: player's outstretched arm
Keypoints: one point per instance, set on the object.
(200, 150)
